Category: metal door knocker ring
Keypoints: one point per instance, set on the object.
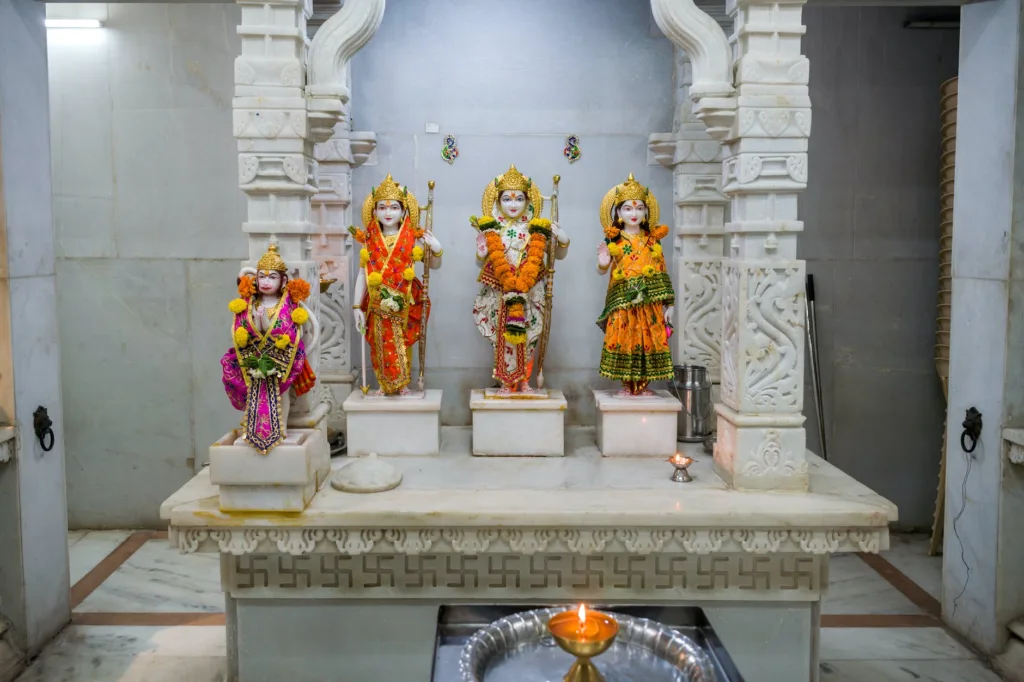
(41, 424)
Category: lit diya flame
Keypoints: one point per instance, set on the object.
(680, 461)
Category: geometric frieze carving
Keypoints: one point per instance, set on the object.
(765, 171)
(763, 336)
(528, 541)
(539, 576)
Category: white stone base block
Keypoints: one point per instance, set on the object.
(507, 426)
(637, 426)
(761, 452)
(394, 426)
(283, 480)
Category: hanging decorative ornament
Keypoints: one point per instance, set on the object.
(450, 151)
(572, 148)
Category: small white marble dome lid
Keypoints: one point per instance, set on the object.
(368, 474)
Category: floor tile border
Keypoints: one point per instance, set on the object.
(911, 590)
(88, 584)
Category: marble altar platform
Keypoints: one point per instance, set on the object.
(338, 584)
(637, 426)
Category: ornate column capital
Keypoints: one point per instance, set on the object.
(336, 42)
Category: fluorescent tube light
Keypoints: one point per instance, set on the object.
(73, 23)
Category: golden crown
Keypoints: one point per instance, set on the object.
(389, 190)
(631, 190)
(512, 179)
(272, 260)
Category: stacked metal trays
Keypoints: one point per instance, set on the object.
(638, 639)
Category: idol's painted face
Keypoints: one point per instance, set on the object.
(632, 213)
(389, 213)
(512, 203)
(269, 282)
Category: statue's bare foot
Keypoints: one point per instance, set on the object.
(505, 390)
(624, 393)
(379, 392)
(404, 391)
(524, 387)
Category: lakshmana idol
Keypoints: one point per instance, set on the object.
(511, 245)
(269, 355)
(638, 306)
(390, 309)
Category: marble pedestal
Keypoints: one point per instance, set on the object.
(354, 583)
(398, 426)
(638, 426)
(283, 480)
(518, 426)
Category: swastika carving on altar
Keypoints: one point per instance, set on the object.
(543, 575)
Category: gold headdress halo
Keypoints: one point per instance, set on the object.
(630, 190)
(271, 260)
(511, 179)
(389, 190)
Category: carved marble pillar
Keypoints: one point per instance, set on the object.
(761, 439)
(695, 159)
(340, 37)
(276, 129)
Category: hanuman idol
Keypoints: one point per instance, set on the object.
(638, 306)
(269, 354)
(391, 308)
(512, 241)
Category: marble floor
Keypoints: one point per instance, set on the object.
(144, 613)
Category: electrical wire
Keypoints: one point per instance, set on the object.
(963, 507)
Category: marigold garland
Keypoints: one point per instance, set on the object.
(619, 274)
(300, 316)
(298, 289)
(417, 253)
(409, 274)
(614, 249)
(374, 279)
(364, 258)
(656, 250)
(241, 337)
(282, 342)
(648, 270)
(659, 232)
(237, 305)
(246, 286)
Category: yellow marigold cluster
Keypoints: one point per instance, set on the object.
(656, 249)
(300, 316)
(618, 275)
(241, 337)
(409, 274)
(374, 279)
(364, 258)
(237, 305)
(282, 342)
(417, 253)
(615, 249)
(648, 270)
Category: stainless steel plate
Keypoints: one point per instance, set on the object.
(518, 648)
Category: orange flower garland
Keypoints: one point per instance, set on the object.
(298, 289)
(530, 270)
(515, 284)
(247, 286)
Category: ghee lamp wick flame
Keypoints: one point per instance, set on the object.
(582, 613)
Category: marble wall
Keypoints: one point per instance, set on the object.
(33, 530)
(983, 586)
(148, 214)
(871, 240)
(511, 93)
(148, 238)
